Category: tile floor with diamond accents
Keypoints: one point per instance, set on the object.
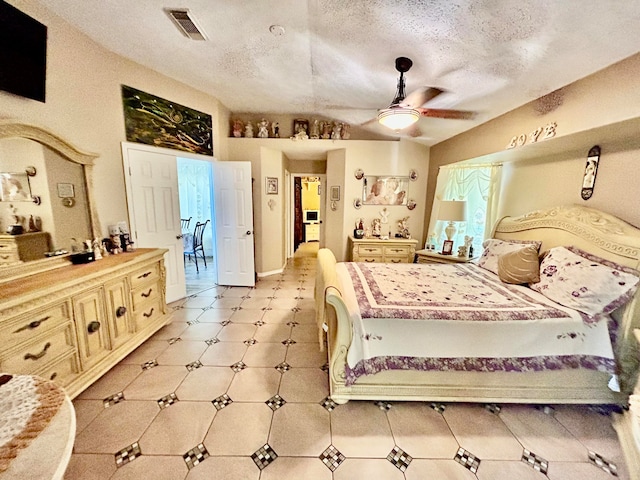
(235, 388)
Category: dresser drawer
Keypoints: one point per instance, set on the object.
(394, 259)
(62, 371)
(145, 275)
(369, 250)
(148, 315)
(370, 258)
(397, 250)
(145, 294)
(34, 323)
(38, 354)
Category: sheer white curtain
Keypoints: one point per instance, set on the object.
(479, 186)
(194, 185)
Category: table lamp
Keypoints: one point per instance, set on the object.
(451, 211)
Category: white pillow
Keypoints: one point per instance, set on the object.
(493, 248)
(585, 282)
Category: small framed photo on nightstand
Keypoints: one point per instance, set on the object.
(447, 248)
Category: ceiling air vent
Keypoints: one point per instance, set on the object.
(186, 23)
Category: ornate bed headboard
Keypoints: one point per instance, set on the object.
(595, 232)
(591, 230)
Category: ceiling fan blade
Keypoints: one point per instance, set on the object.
(451, 114)
(419, 97)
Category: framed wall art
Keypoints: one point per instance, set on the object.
(385, 190)
(14, 187)
(271, 185)
(300, 125)
(156, 121)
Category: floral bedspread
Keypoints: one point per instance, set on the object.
(461, 317)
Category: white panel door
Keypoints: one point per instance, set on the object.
(154, 210)
(234, 223)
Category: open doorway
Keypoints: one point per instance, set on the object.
(305, 208)
(195, 186)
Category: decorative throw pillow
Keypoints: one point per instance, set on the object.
(519, 267)
(493, 248)
(581, 281)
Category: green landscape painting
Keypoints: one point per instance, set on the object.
(155, 121)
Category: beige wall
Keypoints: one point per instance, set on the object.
(84, 104)
(601, 109)
(380, 158)
(342, 159)
(557, 180)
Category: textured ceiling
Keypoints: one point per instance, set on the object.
(336, 58)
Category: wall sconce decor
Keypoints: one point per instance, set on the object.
(590, 172)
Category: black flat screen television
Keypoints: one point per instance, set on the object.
(23, 53)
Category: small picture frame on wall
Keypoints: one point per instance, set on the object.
(335, 193)
(447, 248)
(272, 185)
(66, 190)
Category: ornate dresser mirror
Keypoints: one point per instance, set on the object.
(58, 176)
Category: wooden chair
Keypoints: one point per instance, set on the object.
(196, 247)
(184, 223)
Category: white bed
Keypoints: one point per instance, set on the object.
(590, 230)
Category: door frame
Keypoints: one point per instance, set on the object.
(125, 146)
(291, 210)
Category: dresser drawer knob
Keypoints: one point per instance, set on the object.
(93, 326)
(32, 325)
(38, 356)
(120, 311)
(148, 314)
(144, 275)
(145, 295)
(53, 376)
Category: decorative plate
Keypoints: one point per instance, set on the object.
(411, 204)
(413, 175)
(359, 173)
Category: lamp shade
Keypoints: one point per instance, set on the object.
(453, 211)
(397, 118)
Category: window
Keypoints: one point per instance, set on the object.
(479, 185)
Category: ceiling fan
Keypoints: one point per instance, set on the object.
(405, 110)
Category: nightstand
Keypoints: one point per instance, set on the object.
(429, 256)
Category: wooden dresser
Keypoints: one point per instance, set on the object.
(394, 250)
(73, 323)
(23, 247)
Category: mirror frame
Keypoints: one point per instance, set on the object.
(16, 129)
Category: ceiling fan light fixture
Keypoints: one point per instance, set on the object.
(398, 118)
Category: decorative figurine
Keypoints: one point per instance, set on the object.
(376, 227)
(248, 130)
(468, 245)
(263, 131)
(326, 130)
(237, 128)
(335, 134)
(346, 131)
(315, 130)
(275, 129)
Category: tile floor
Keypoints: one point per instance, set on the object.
(236, 389)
